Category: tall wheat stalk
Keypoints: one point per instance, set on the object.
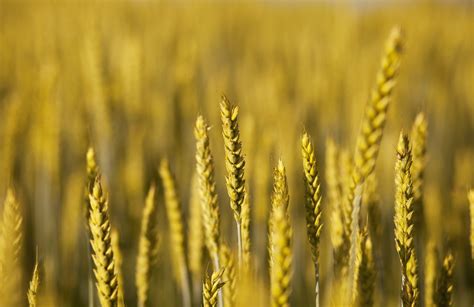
(313, 205)
(102, 251)
(147, 248)
(176, 231)
(404, 223)
(235, 181)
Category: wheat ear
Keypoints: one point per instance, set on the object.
(11, 251)
(147, 248)
(470, 196)
(210, 288)
(115, 240)
(313, 205)
(34, 284)
(229, 276)
(445, 287)
(364, 278)
(418, 141)
(280, 248)
(207, 186)
(102, 251)
(404, 223)
(235, 165)
(176, 230)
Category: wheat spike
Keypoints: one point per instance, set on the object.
(176, 230)
(34, 284)
(418, 141)
(229, 276)
(235, 165)
(470, 196)
(313, 204)
(207, 186)
(11, 251)
(147, 248)
(364, 278)
(281, 258)
(115, 240)
(245, 226)
(210, 288)
(102, 251)
(445, 287)
(431, 271)
(404, 223)
(370, 134)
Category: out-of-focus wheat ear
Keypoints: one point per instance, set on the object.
(235, 165)
(115, 239)
(34, 285)
(195, 238)
(370, 133)
(404, 223)
(364, 278)
(281, 259)
(11, 251)
(210, 288)
(102, 251)
(418, 138)
(431, 272)
(176, 231)
(245, 232)
(313, 205)
(229, 276)
(445, 286)
(207, 186)
(147, 248)
(470, 196)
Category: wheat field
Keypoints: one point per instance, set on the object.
(255, 153)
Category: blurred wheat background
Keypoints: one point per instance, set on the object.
(129, 78)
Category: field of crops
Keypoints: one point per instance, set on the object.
(236, 154)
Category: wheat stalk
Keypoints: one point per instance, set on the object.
(313, 205)
(431, 271)
(34, 284)
(210, 288)
(364, 278)
(176, 230)
(196, 236)
(404, 223)
(11, 250)
(102, 251)
(147, 248)
(207, 186)
(229, 275)
(235, 165)
(418, 141)
(470, 196)
(280, 241)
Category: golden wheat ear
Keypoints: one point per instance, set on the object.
(445, 287)
(11, 251)
(210, 288)
(235, 181)
(364, 278)
(404, 223)
(313, 205)
(147, 248)
(176, 230)
(207, 186)
(34, 284)
(102, 250)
